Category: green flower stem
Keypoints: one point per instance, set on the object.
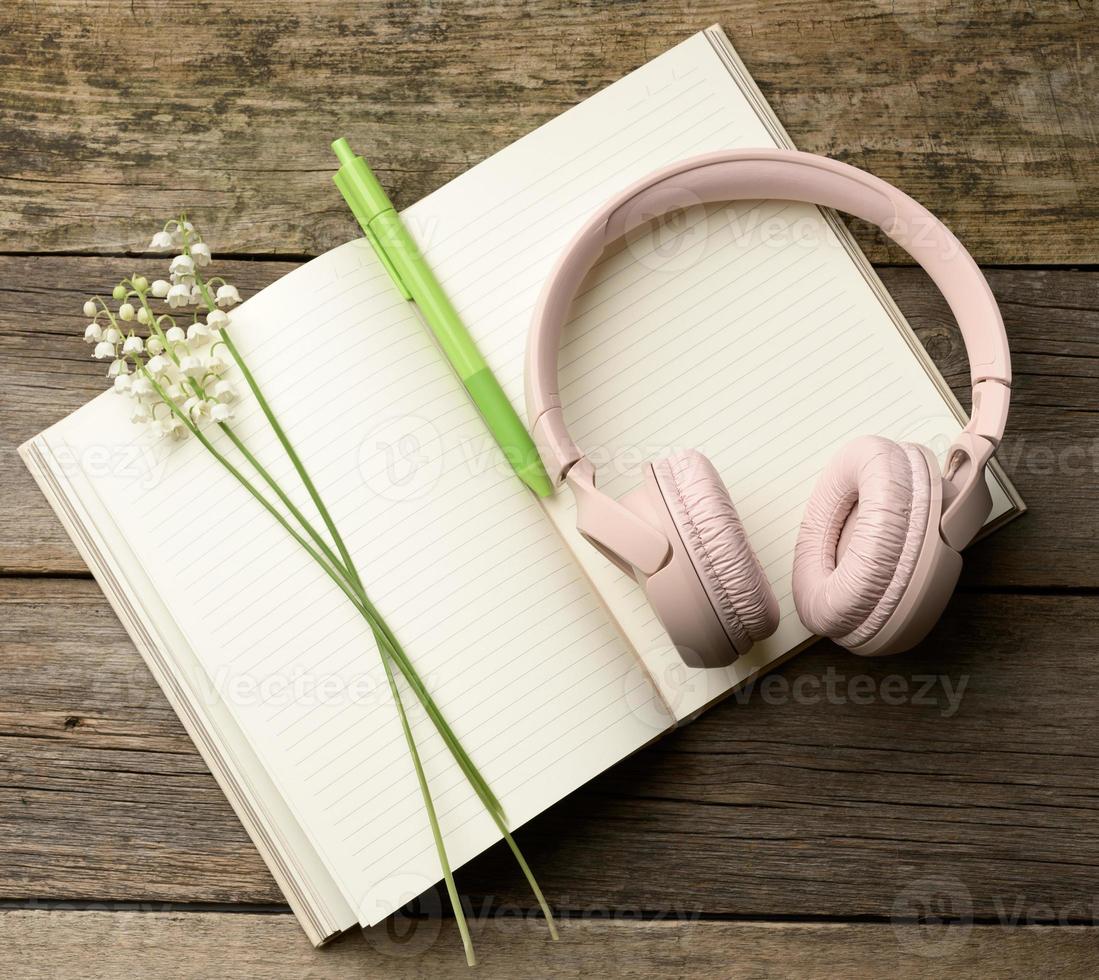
(452, 890)
(287, 446)
(280, 434)
(402, 660)
(370, 613)
(278, 491)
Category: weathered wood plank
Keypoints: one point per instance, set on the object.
(984, 111)
(1052, 451)
(834, 790)
(84, 945)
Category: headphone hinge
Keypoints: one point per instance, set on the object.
(621, 535)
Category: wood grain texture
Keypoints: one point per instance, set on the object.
(113, 116)
(87, 945)
(1051, 452)
(833, 790)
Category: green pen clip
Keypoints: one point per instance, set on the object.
(365, 197)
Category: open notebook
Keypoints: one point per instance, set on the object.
(756, 333)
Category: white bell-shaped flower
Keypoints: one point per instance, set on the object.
(175, 392)
(200, 252)
(160, 288)
(112, 335)
(162, 241)
(179, 295)
(157, 365)
(217, 319)
(104, 349)
(192, 366)
(223, 391)
(90, 308)
(140, 412)
(198, 333)
(178, 228)
(122, 384)
(215, 362)
(133, 345)
(175, 335)
(196, 408)
(118, 366)
(227, 296)
(182, 268)
(174, 427)
(154, 346)
(196, 294)
(142, 387)
(93, 333)
(221, 413)
(126, 311)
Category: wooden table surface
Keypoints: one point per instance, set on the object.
(778, 835)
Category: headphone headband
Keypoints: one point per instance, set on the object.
(787, 175)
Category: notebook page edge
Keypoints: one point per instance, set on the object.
(320, 915)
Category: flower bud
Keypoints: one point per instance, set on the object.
(140, 283)
(160, 288)
(143, 316)
(119, 292)
(154, 346)
(126, 311)
(112, 335)
(90, 309)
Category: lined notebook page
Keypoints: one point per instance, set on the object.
(746, 331)
(521, 657)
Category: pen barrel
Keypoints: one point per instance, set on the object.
(420, 282)
(508, 430)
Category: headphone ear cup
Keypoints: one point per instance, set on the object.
(714, 538)
(863, 531)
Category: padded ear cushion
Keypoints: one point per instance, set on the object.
(719, 549)
(849, 598)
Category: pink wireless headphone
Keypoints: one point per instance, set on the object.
(877, 555)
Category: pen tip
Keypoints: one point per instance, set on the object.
(534, 476)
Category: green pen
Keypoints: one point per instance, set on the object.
(408, 268)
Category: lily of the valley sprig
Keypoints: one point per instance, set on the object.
(169, 346)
